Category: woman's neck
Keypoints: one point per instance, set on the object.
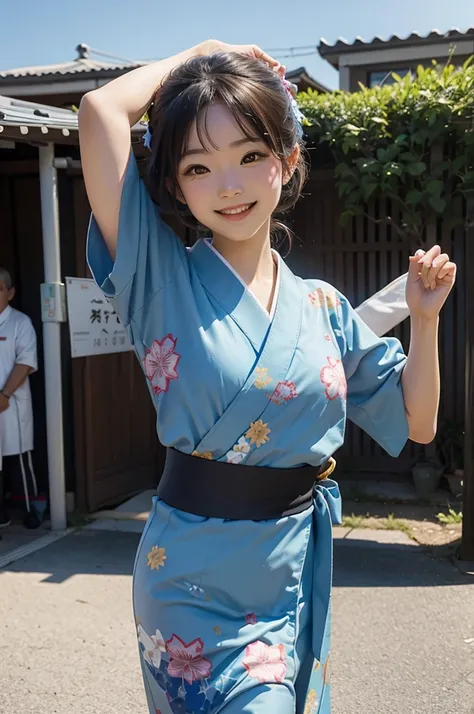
(252, 259)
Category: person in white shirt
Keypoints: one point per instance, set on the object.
(18, 360)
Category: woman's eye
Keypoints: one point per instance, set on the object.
(252, 157)
(195, 170)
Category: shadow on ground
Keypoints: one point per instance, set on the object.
(357, 563)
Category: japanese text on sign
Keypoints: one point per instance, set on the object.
(95, 328)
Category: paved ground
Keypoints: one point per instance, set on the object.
(403, 628)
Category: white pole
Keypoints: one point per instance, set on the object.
(52, 340)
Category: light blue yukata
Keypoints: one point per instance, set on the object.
(234, 616)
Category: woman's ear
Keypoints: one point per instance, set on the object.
(291, 163)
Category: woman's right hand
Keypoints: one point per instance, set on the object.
(210, 46)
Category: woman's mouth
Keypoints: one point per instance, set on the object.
(237, 213)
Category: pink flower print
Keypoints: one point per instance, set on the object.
(320, 297)
(283, 392)
(267, 663)
(160, 363)
(251, 618)
(186, 659)
(327, 337)
(316, 298)
(334, 379)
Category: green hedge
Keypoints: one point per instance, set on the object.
(411, 141)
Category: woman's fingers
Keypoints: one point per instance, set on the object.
(425, 263)
(432, 268)
(448, 272)
(253, 51)
(433, 273)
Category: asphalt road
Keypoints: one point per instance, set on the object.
(403, 630)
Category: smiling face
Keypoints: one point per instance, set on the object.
(231, 183)
(224, 136)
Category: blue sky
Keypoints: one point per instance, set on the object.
(33, 32)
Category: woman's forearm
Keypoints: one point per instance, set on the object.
(132, 93)
(421, 380)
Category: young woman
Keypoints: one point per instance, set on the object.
(252, 371)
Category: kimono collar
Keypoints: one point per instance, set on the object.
(221, 281)
(5, 314)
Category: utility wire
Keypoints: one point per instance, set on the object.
(278, 53)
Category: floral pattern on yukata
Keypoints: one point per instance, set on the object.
(267, 663)
(205, 455)
(284, 392)
(320, 297)
(160, 363)
(327, 670)
(181, 671)
(263, 379)
(238, 452)
(311, 702)
(186, 660)
(156, 557)
(153, 646)
(334, 379)
(258, 433)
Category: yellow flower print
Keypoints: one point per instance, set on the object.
(263, 379)
(311, 702)
(327, 670)
(204, 455)
(156, 557)
(258, 433)
(217, 630)
(332, 300)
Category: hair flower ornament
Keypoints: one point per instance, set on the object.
(147, 137)
(292, 90)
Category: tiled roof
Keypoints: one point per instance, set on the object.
(83, 64)
(414, 38)
(76, 66)
(300, 75)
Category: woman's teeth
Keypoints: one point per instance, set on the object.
(234, 211)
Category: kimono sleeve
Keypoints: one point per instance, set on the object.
(148, 255)
(373, 368)
(25, 344)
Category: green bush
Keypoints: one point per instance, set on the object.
(411, 141)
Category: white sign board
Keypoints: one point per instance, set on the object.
(94, 326)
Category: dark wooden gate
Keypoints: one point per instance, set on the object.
(360, 260)
(117, 450)
(21, 252)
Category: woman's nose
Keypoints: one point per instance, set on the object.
(230, 186)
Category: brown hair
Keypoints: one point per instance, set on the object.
(259, 103)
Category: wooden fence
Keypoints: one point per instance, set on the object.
(361, 259)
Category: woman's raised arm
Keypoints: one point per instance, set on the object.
(105, 118)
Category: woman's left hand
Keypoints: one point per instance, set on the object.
(431, 277)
